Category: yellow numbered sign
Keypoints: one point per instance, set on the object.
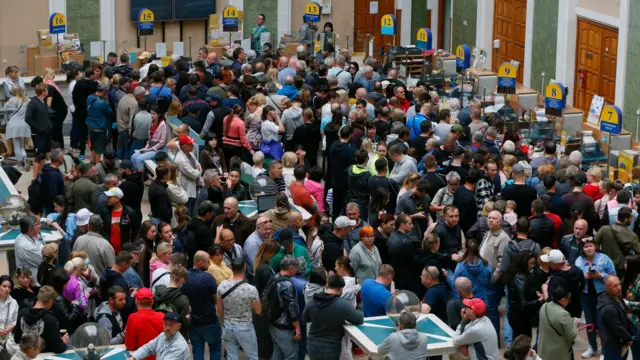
(554, 91)
(460, 52)
(422, 35)
(388, 25)
(57, 23)
(611, 119)
(230, 12)
(146, 15)
(312, 12)
(507, 70)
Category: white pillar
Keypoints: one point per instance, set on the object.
(108, 25)
(405, 25)
(284, 20)
(566, 45)
(621, 65)
(57, 6)
(484, 30)
(528, 44)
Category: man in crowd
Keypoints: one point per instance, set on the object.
(334, 241)
(435, 299)
(145, 324)
(415, 204)
(45, 324)
(405, 257)
(233, 219)
(475, 332)
(108, 314)
(121, 223)
(617, 332)
(375, 293)
(28, 245)
(231, 249)
(170, 345)
(455, 305)
(542, 229)
(98, 249)
(568, 277)
(617, 241)
(571, 245)
(407, 342)
(264, 230)
(170, 298)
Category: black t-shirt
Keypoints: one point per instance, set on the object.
(419, 142)
(461, 170)
(573, 281)
(380, 241)
(523, 195)
(465, 200)
(436, 182)
(441, 155)
(375, 182)
(436, 297)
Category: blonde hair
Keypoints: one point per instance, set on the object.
(79, 253)
(509, 160)
(417, 91)
(289, 159)
(175, 108)
(512, 204)
(115, 80)
(170, 82)
(49, 74)
(545, 169)
(487, 208)
(544, 251)
(273, 74)
(596, 172)
(257, 100)
(367, 144)
(17, 92)
(410, 180)
(161, 249)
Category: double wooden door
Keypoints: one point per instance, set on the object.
(596, 60)
(367, 25)
(509, 26)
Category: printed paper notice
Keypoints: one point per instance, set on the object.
(96, 48)
(161, 50)
(373, 7)
(178, 48)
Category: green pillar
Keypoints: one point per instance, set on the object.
(543, 45)
(83, 17)
(270, 10)
(465, 13)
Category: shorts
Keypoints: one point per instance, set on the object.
(99, 141)
(42, 145)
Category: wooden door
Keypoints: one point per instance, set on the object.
(509, 26)
(596, 59)
(366, 24)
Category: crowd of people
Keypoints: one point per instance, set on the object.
(378, 188)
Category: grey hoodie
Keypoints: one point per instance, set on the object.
(292, 119)
(407, 344)
(403, 168)
(105, 321)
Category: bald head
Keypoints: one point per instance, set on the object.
(201, 260)
(182, 129)
(212, 57)
(613, 286)
(494, 219)
(580, 228)
(231, 207)
(284, 62)
(295, 220)
(464, 287)
(288, 80)
(361, 94)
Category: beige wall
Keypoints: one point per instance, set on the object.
(17, 32)
(605, 7)
(341, 17)
(126, 32)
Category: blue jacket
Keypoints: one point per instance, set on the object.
(98, 113)
(289, 91)
(478, 273)
(570, 248)
(491, 145)
(602, 264)
(414, 124)
(162, 91)
(52, 186)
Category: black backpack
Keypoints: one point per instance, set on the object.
(269, 299)
(35, 194)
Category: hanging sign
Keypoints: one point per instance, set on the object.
(145, 22)
(388, 25)
(424, 39)
(230, 19)
(507, 78)
(57, 24)
(463, 57)
(312, 12)
(611, 119)
(555, 99)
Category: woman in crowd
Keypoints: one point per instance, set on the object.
(147, 236)
(157, 139)
(379, 201)
(218, 269)
(444, 196)
(234, 187)
(161, 257)
(165, 235)
(12, 81)
(75, 291)
(558, 330)
(270, 130)
(609, 191)
(476, 269)
(89, 279)
(17, 129)
(253, 122)
(177, 195)
(386, 225)
(315, 187)
(66, 312)
(524, 301)
(262, 274)
(326, 38)
(180, 222)
(365, 258)
(57, 105)
(289, 161)
(409, 183)
(596, 267)
(521, 350)
(349, 293)
(65, 222)
(24, 291)
(48, 265)
(30, 347)
(212, 156)
(331, 133)
(234, 139)
(279, 216)
(8, 313)
(354, 68)
(594, 177)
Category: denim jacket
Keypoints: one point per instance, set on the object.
(601, 263)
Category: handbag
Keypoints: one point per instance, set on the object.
(272, 149)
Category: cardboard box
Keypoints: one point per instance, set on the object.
(290, 48)
(627, 161)
(44, 38)
(45, 61)
(219, 49)
(47, 50)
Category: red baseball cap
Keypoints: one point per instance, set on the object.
(476, 305)
(186, 140)
(144, 295)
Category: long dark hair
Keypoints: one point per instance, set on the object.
(520, 265)
(156, 109)
(379, 198)
(265, 112)
(59, 279)
(473, 252)
(60, 200)
(336, 121)
(632, 272)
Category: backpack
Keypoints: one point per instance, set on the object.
(516, 248)
(35, 194)
(269, 299)
(165, 307)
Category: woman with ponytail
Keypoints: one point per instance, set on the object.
(234, 138)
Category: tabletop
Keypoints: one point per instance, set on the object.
(249, 208)
(375, 329)
(116, 352)
(8, 239)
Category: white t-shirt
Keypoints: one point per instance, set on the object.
(159, 277)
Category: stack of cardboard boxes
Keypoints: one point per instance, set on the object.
(46, 55)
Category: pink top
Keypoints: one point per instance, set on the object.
(159, 138)
(317, 191)
(155, 265)
(52, 83)
(237, 135)
(73, 291)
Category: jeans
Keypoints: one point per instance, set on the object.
(508, 332)
(75, 131)
(323, 353)
(209, 334)
(124, 150)
(495, 292)
(136, 145)
(240, 336)
(83, 133)
(613, 353)
(191, 206)
(139, 158)
(589, 302)
(284, 347)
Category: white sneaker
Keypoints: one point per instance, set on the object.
(589, 353)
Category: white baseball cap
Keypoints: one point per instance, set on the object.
(554, 257)
(343, 222)
(114, 192)
(82, 217)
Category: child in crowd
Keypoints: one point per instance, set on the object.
(510, 215)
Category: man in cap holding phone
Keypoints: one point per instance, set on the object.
(475, 332)
(190, 171)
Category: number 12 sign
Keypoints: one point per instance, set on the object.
(611, 119)
(388, 25)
